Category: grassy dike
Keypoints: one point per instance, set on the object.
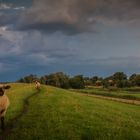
(57, 114)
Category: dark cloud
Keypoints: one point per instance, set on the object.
(77, 16)
(70, 16)
(11, 11)
(10, 16)
(52, 27)
(26, 48)
(17, 2)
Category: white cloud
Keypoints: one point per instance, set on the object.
(5, 6)
(3, 28)
(19, 8)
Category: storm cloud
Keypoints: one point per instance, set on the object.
(74, 36)
(78, 16)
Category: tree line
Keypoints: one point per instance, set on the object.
(62, 80)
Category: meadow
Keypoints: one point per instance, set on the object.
(124, 93)
(58, 114)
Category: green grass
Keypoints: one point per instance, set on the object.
(117, 93)
(57, 114)
(17, 94)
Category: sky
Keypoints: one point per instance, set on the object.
(89, 37)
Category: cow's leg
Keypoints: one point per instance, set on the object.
(2, 123)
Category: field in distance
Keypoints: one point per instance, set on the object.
(124, 93)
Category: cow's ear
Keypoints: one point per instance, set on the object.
(7, 87)
(1, 92)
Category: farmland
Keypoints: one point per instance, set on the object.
(129, 93)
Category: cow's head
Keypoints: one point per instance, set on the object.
(3, 88)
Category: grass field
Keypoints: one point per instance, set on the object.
(117, 93)
(17, 94)
(57, 114)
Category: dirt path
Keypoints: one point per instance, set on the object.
(14, 121)
(135, 102)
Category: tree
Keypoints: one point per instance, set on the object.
(132, 77)
(77, 82)
(136, 80)
(119, 79)
(28, 79)
(119, 76)
(108, 82)
(43, 80)
(94, 79)
(58, 79)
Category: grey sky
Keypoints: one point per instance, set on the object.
(87, 37)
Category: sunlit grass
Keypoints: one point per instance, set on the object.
(57, 114)
(17, 93)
